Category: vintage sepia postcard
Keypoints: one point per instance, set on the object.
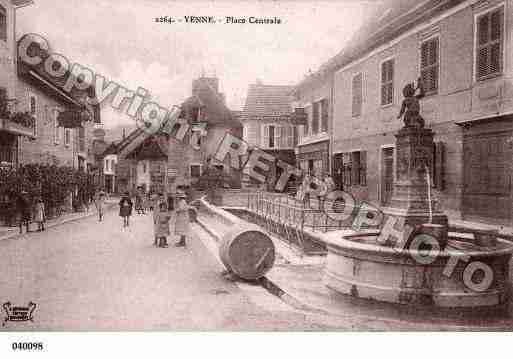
(255, 166)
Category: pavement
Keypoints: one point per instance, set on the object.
(87, 275)
(10, 232)
(90, 275)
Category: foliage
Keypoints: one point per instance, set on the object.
(53, 183)
(23, 118)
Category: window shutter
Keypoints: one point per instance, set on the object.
(357, 88)
(3, 100)
(295, 135)
(363, 168)
(3, 23)
(56, 134)
(489, 44)
(315, 118)
(325, 115)
(266, 136)
(387, 82)
(429, 65)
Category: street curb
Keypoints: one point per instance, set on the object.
(64, 221)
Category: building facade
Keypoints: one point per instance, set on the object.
(461, 50)
(44, 99)
(162, 163)
(269, 124)
(314, 96)
(12, 128)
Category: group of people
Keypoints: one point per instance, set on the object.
(28, 210)
(162, 216)
(319, 187)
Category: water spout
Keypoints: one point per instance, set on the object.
(428, 179)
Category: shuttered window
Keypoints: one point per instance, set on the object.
(354, 168)
(387, 82)
(57, 128)
(315, 117)
(489, 44)
(429, 65)
(308, 111)
(3, 101)
(324, 115)
(357, 89)
(3, 23)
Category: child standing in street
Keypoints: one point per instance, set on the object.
(99, 202)
(161, 219)
(182, 218)
(39, 214)
(125, 209)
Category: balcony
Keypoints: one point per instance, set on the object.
(17, 123)
(21, 124)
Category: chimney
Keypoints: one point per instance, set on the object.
(124, 133)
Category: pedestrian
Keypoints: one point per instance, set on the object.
(23, 210)
(330, 184)
(182, 218)
(39, 214)
(139, 203)
(153, 201)
(99, 202)
(305, 186)
(161, 219)
(322, 190)
(125, 209)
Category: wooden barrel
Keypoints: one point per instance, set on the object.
(247, 252)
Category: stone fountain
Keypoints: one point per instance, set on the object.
(459, 274)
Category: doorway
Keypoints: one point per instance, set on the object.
(387, 174)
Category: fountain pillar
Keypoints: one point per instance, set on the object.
(410, 198)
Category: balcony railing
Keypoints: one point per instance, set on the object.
(7, 154)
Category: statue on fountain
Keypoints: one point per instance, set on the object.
(410, 107)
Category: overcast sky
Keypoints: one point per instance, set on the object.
(121, 40)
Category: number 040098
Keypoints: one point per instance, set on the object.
(27, 346)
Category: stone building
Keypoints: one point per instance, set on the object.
(12, 129)
(271, 123)
(460, 51)
(162, 163)
(314, 96)
(44, 98)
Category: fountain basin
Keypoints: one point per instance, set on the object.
(359, 266)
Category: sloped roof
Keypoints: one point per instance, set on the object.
(388, 20)
(153, 147)
(267, 101)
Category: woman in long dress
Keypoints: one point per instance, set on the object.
(99, 202)
(125, 209)
(182, 218)
(161, 219)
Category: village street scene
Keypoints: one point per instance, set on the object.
(218, 168)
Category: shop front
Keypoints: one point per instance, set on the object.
(313, 158)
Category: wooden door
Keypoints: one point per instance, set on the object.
(338, 170)
(487, 177)
(387, 174)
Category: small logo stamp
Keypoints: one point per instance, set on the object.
(18, 314)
